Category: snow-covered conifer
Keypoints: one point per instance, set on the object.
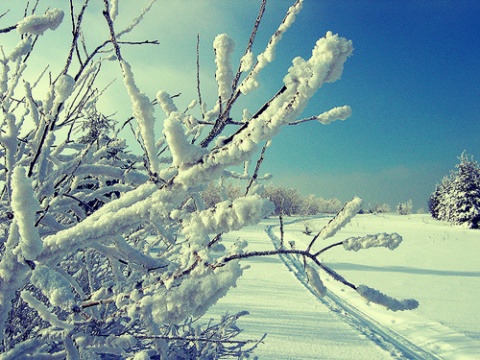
(457, 198)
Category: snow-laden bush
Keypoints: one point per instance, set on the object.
(405, 208)
(106, 253)
(378, 209)
(289, 201)
(457, 198)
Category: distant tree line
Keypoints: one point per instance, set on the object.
(287, 201)
(290, 201)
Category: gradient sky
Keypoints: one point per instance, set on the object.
(412, 82)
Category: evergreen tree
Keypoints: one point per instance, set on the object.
(457, 199)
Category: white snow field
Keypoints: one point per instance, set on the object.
(436, 264)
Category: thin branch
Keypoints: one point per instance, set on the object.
(282, 232)
(303, 120)
(225, 114)
(304, 253)
(200, 102)
(75, 34)
(327, 248)
(8, 29)
(257, 168)
(113, 38)
(247, 50)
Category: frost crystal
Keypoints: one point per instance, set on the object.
(38, 24)
(390, 241)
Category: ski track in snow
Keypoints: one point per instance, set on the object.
(414, 337)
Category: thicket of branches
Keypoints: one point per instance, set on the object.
(109, 253)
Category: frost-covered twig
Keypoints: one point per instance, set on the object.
(349, 210)
(337, 113)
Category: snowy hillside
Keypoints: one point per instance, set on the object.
(437, 264)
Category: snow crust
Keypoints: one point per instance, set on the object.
(38, 24)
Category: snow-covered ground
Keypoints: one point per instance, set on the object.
(436, 264)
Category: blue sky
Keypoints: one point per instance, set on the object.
(412, 82)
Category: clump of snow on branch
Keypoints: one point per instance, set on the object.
(337, 113)
(268, 55)
(166, 102)
(64, 88)
(43, 311)
(54, 286)
(113, 9)
(38, 24)
(193, 296)
(390, 241)
(342, 218)
(225, 217)
(24, 207)
(22, 48)
(184, 153)
(143, 112)
(325, 65)
(224, 46)
(247, 61)
(390, 303)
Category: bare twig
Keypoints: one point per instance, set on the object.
(282, 233)
(304, 253)
(257, 168)
(8, 29)
(200, 102)
(113, 38)
(75, 34)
